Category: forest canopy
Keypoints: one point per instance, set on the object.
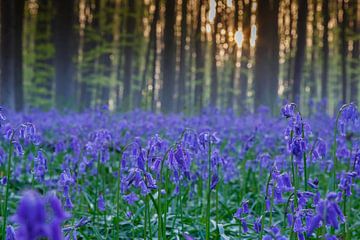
(178, 55)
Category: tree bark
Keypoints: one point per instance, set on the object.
(64, 52)
(11, 82)
(313, 85)
(199, 61)
(182, 70)
(354, 76)
(343, 51)
(214, 78)
(169, 58)
(245, 54)
(267, 54)
(325, 50)
(300, 49)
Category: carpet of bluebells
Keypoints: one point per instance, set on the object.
(140, 175)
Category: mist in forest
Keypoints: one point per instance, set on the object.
(178, 55)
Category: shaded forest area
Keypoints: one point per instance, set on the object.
(178, 55)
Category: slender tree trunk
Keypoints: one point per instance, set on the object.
(182, 70)
(325, 50)
(245, 54)
(289, 75)
(214, 77)
(64, 52)
(150, 48)
(300, 49)
(267, 54)
(91, 45)
(355, 54)
(231, 87)
(11, 83)
(313, 85)
(199, 61)
(169, 58)
(343, 51)
(129, 53)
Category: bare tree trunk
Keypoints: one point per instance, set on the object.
(214, 77)
(267, 54)
(343, 51)
(169, 58)
(231, 87)
(313, 85)
(11, 82)
(182, 70)
(355, 54)
(64, 52)
(325, 50)
(289, 75)
(245, 54)
(300, 49)
(199, 61)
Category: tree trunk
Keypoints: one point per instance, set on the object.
(199, 61)
(313, 85)
(245, 54)
(325, 50)
(355, 54)
(343, 51)
(289, 73)
(169, 58)
(91, 44)
(214, 77)
(11, 82)
(300, 49)
(129, 53)
(182, 70)
(64, 52)
(150, 48)
(267, 54)
(231, 87)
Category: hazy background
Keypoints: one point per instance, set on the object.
(178, 55)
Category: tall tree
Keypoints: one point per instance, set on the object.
(169, 58)
(129, 53)
(245, 53)
(266, 53)
(91, 46)
(11, 82)
(199, 60)
(214, 78)
(42, 82)
(300, 49)
(343, 50)
(231, 87)
(289, 74)
(354, 76)
(312, 80)
(150, 48)
(64, 53)
(182, 68)
(325, 49)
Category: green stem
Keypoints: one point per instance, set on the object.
(208, 195)
(8, 175)
(96, 189)
(118, 197)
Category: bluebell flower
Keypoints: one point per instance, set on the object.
(288, 110)
(131, 198)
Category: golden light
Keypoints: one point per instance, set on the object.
(238, 37)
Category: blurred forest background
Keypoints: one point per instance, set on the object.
(178, 55)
